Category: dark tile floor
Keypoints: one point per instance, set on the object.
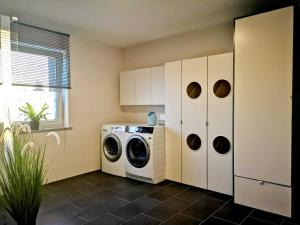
(98, 198)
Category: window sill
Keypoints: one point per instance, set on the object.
(46, 130)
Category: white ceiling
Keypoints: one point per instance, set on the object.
(128, 22)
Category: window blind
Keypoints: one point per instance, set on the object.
(5, 22)
(1, 68)
(39, 57)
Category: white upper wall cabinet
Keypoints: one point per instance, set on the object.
(127, 88)
(158, 83)
(142, 86)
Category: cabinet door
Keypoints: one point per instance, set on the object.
(194, 117)
(173, 120)
(263, 90)
(127, 88)
(142, 86)
(220, 123)
(262, 195)
(158, 85)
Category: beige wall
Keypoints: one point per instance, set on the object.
(93, 100)
(211, 40)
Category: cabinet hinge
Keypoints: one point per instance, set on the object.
(181, 122)
(207, 123)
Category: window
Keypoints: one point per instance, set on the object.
(34, 68)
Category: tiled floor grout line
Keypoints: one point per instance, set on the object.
(228, 221)
(174, 196)
(152, 217)
(115, 216)
(262, 220)
(180, 211)
(221, 207)
(215, 211)
(192, 201)
(247, 216)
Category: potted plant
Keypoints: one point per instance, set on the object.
(33, 117)
(22, 173)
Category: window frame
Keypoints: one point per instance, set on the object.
(61, 103)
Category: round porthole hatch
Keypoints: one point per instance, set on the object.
(222, 88)
(221, 145)
(112, 147)
(194, 142)
(193, 90)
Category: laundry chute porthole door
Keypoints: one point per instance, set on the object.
(220, 123)
(194, 115)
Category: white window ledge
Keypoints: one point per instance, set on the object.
(46, 130)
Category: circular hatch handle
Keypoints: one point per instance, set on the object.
(130, 154)
(107, 151)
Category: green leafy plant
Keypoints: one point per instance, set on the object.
(22, 173)
(21, 176)
(33, 116)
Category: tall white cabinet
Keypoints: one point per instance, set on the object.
(263, 110)
(220, 123)
(195, 117)
(173, 120)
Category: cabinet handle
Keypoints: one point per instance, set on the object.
(261, 182)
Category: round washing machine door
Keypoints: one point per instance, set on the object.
(112, 147)
(137, 151)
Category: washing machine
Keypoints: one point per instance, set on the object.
(145, 153)
(113, 142)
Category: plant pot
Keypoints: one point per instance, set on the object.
(30, 221)
(34, 125)
(33, 222)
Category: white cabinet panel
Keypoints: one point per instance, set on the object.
(194, 116)
(157, 85)
(142, 86)
(263, 90)
(264, 196)
(173, 119)
(127, 88)
(220, 123)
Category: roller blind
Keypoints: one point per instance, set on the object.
(39, 57)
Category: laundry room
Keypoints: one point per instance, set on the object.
(139, 112)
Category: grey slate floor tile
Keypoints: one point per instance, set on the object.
(101, 199)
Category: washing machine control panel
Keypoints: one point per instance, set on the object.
(138, 129)
(119, 128)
